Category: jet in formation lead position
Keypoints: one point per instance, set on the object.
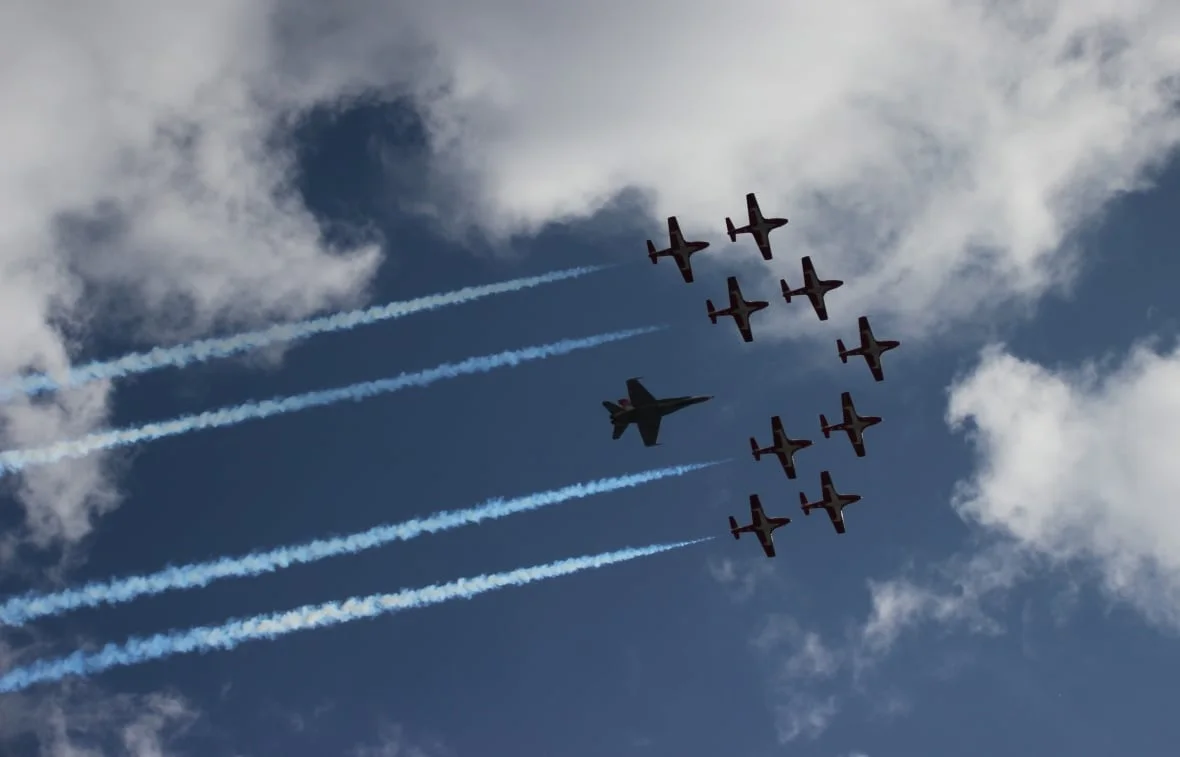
(871, 348)
(759, 524)
(739, 309)
(758, 227)
(645, 411)
(678, 249)
(783, 446)
(854, 425)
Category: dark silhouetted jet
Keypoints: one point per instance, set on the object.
(645, 411)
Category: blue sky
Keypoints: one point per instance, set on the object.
(1008, 583)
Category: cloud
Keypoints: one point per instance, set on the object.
(740, 579)
(1076, 466)
(82, 722)
(392, 741)
(938, 155)
(149, 184)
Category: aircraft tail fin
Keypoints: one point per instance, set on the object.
(754, 448)
(733, 528)
(611, 407)
(729, 228)
(823, 424)
(651, 252)
(804, 503)
(712, 312)
(843, 352)
(782, 283)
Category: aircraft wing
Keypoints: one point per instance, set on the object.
(735, 291)
(649, 429)
(847, 407)
(788, 464)
(674, 236)
(818, 304)
(875, 367)
(638, 395)
(743, 325)
(752, 208)
(756, 512)
(619, 429)
(685, 266)
(767, 542)
(837, 519)
(858, 443)
(763, 243)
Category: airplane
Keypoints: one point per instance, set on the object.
(870, 348)
(759, 524)
(680, 250)
(739, 309)
(814, 287)
(783, 446)
(854, 425)
(759, 227)
(832, 501)
(645, 411)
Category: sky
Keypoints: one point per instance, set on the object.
(993, 182)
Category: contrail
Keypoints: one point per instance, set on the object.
(232, 633)
(209, 349)
(15, 460)
(18, 610)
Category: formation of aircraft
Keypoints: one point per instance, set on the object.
(643, 409)
(739, 309)
(646, 411)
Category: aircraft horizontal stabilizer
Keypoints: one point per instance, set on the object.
(733, 528)
(823, 424)
(712, 312)
(843, 352)
(729, 227)
(754, 448)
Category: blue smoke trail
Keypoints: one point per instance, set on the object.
(18, 610)
(15, 460)
(234, 632)
(208, 349)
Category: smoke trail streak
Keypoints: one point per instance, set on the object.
(209, 349)
(234, 632)
(15, 460)
(18, 610)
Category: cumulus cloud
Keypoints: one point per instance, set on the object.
(149, 182)
(1078, 466)
(936, 154)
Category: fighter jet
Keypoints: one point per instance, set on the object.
(814, 287)
(783, 446)
(680, 250)
(759, 227)
(759, 524)
(645, 411)
(869, 347)
(738, 308)
(832, 501)
(854, 425)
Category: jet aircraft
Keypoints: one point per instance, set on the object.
(645, 411)
(758, 227)
(814, 287)
(831, 500)
(783, 446)
(679, 249)
(738, 308)
(759, 524)
(870, 348)
(854, 425)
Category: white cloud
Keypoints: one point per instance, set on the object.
(148, 178)
(741, 579)
(1079, 465)
(84, 722)
(392, 741)
(802, 716)
(934, 153)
